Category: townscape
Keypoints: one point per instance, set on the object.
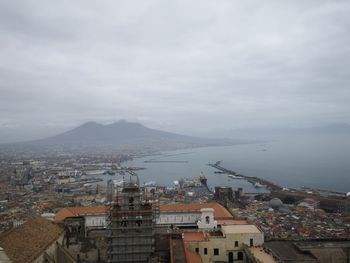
(84, 191)
(174, 131)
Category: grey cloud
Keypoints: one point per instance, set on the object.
(182, 66)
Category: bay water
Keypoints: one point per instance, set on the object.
(321, 162)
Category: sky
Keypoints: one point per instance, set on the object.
(192, 67)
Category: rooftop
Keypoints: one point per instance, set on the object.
(31, 239)
(193, 236)
(259, 253)
(192, 257)
(288, 251)
(234, 229)
(80, 211)
(220, 212)
(231, 222)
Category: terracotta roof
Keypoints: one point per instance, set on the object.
(80, 211)
(192, 257)
(193, 236)
(220, 212)
(27, 242)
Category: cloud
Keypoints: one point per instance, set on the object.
(184, 66)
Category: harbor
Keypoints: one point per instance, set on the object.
(255, 181)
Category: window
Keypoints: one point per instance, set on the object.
(240, 256)
(205, 251)
(251, 242)
(216, 252)
(124, 223)
(131, 203)
(197, 249)
(207, 220)
(236, 243)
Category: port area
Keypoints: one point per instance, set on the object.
(256, 181)
(329, 201)
(191, 189)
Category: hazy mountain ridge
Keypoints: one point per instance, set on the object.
(119, 137)
(121, 132)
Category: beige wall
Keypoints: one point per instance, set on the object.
(225, 245)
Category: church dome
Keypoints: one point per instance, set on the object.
(275, 203)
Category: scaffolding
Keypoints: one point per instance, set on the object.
(131, 225)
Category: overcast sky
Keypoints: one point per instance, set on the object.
(184, 66)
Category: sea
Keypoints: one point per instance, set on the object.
(318, 162)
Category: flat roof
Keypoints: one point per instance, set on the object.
(259, 253)
(287, 250)
(231, 222)
(233, 229)
(193, 236)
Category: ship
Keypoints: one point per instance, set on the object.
(234, 176)
(259, 185)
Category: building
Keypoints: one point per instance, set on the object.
(203, 215)
(114, 187)
(320, 251)
(36, 241)
(227, 243)
(93, 217)
(223, 194)
(131, 226)
(204, 232)
(179, 214)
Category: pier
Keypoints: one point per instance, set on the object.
(251, 179)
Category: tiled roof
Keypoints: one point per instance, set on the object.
(80, 211)
(193, 236)
(220, 212)
(26, 242)
(192, 257)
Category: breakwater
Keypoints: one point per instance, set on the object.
(252, 179)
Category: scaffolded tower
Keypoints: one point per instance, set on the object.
(131, 225)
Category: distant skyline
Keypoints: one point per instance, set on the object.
(187, 67)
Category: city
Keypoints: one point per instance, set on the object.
(174, 131)
(96, 210)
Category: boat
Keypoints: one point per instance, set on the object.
(234, 176)
(258, 185)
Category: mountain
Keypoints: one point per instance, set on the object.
(122, 132)
(93, 138)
